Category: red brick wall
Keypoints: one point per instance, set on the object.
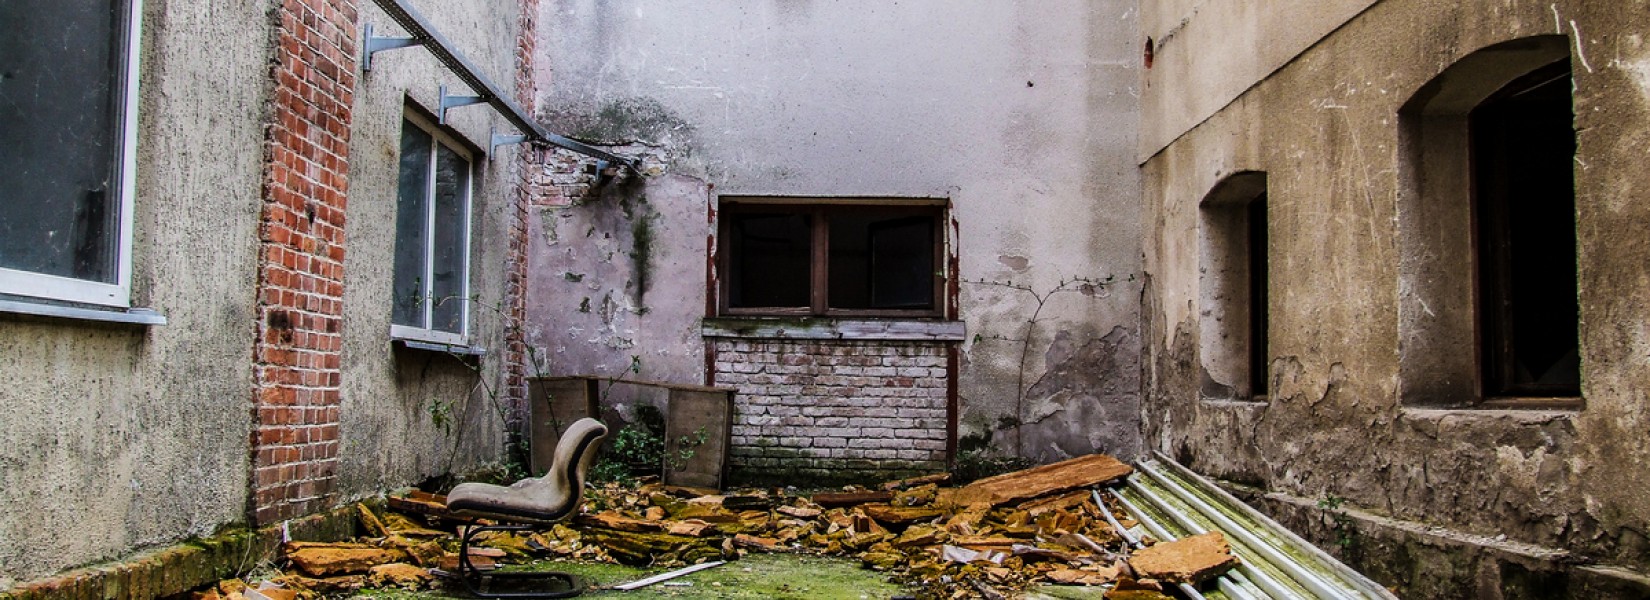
(527, 163)
(301, 260)
(835, 410)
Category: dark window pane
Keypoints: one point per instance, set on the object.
(1524, 151)
(1258, 299)
(881, 262)
(769, 260)
(411, 221)
(61, 85)
(452, 183)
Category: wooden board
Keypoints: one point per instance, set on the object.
(554, 403)
(1080, 472)
(698, 435)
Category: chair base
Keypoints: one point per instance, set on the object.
(487, 584)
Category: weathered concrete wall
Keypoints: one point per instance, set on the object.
(410, 414)
(117, 437)
(1022, 114)
(1325, 129)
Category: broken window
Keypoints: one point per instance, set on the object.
(1523, 146)
(1233, 289)
(1488, 304)
(67, 129)
(432, 242)
(850, 258)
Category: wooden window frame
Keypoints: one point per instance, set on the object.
(1493, 264)
(821, 209)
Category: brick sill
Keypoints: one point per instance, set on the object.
(816, 328)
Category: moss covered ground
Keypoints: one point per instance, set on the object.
(777, 576)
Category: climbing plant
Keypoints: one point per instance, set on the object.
(1089, 286)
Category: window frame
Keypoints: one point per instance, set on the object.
(1441, 312)
(819, 253)
(439, 136)
(1494, 267)
(32, 285)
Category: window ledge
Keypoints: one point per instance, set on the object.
(818, 328)
(1257, 402)
(454, 349)
(1528, 415)
(128, 316)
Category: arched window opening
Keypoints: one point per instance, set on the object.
(1488, 297)
(1234, 290)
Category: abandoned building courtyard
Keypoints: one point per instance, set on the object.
(1067, 299)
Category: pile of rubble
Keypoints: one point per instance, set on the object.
(988, 538)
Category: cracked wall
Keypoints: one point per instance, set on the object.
(1324, 128)
(1021, 114)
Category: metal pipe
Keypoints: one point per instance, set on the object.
(1306, 578)
(1264, 581)
(1185, 588)
(432, 40)
(1347, 574)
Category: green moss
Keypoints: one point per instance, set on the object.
(641, 254)
(783, 576)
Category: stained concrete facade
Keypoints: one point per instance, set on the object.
(122, 437)
(1022, 116)
(1068, 139)
(1447, 499)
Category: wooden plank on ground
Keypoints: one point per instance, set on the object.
(1080, 472)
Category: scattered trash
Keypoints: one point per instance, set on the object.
(1076, 522)
(641, 583)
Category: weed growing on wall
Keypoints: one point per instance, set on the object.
(1339, 523)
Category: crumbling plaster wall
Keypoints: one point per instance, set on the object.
(409, 414)
(1324, 128)
(1022, 114)
(617, 286)
(117, 437)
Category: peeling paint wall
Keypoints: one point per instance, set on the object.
(1323, 124)
(616, 286)
(1022, 114)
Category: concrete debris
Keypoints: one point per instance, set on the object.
(1192, 559)
(1074, 474)
(321, 560)
(989, 538)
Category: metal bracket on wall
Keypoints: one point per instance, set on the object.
(447, 101)
(375, 44)
(443, 51)
(503, 139)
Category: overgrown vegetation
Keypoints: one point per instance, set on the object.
(636, 449)
(1340, 524)
(976, 460)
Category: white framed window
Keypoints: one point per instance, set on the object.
(432, 236)
(68, 133)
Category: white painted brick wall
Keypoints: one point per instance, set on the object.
(834, 409)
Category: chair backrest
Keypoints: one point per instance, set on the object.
(574, 453)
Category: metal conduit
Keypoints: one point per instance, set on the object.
(1311, 580)
(432, 40)
(1185, 588)
(1259, 578)
(1340, 570)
